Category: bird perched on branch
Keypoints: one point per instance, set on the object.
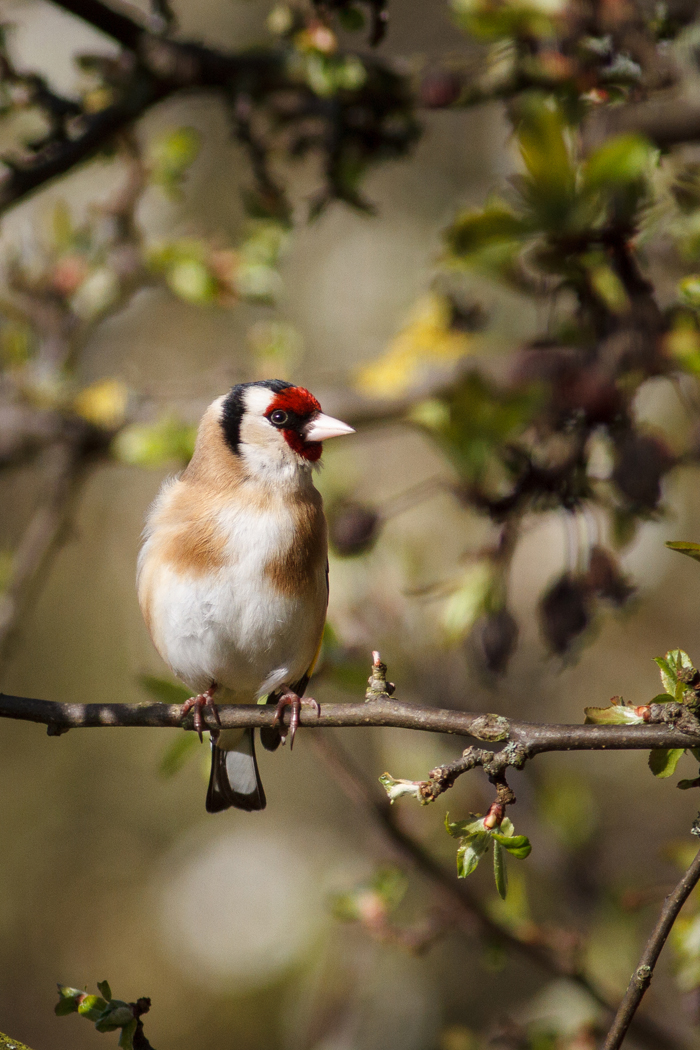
(233, 572)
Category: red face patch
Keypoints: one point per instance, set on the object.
(300, 406)
(297, 400)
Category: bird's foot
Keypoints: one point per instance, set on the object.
(290, 699)
(199, 703)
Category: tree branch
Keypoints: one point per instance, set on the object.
(641, 977)
(667, 121)
(534, 738)
(43, 536)
(466, 909)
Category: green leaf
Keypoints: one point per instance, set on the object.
(171, 155)
(616, 714)
(475, 230)
(689, 293)
(459, 828)
(92, 1007)
(672, 667)
(470, 853)
(663, 761)
(176, 754)
(668, 679)
(163, 690)
(126, 1039)
(519, 845)
(105, 990)
(68, 1000)
(691, 549)
(396, 788)
(115, 1015)
(619, 161)
(500, 873)
(506, 827)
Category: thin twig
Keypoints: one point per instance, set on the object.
(466, 910)
(42, 538)
(641, 978)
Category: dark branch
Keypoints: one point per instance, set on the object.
(641, 977)
(108, 20)
(534, 738)
(463, 906)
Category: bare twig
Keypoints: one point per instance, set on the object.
(467, 911)
(43, 536)
(161, 67)
(641, 977)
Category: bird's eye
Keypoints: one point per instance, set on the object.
(279, 418)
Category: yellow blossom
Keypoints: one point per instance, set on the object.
(103, 403)
(426, 340)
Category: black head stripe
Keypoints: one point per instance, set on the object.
(234, 407)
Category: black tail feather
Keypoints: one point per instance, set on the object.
(228, 769)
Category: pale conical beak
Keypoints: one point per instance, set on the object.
(322, 427)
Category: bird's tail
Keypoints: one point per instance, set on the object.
(234, 779)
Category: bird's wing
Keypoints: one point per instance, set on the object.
(270, 736)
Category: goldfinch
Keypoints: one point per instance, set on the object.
(232, 574)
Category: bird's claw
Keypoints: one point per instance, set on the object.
(199, 703)
(294, 702)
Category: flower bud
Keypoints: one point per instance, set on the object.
(565, 612)
(640, 463)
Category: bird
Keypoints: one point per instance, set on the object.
(232, 573)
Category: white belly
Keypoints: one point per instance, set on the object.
(233, 626)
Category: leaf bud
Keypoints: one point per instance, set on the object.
(440, 88)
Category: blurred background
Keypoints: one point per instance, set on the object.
(111, 869)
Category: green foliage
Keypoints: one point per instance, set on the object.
(475, 422)
(398, 788)
(691, 549)
(663, 762)
(170, 157)
(564, 202)
(490, 20)
(618, 713)
(106, 1013)
(477, 836)
(156, 444)
(373, 900)
(676, 669)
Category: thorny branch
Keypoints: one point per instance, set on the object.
(641, 978)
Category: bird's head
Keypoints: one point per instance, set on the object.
(275, 426)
